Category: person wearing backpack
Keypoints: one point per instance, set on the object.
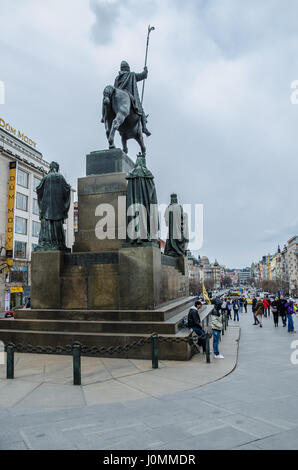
(217, 327)
(236, 310)
(290, 312)
(194, 323)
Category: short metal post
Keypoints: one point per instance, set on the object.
(154, 352)
(76, 354)
(10, 362)
(208, 348)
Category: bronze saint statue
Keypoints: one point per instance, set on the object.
(176, 220)
(53, 194)
(141, 205)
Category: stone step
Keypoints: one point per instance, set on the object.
(163, 313)
(167, 351)
(143, 327)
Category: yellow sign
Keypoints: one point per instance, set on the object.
(19, 134)
(10, 213)
(14, 290)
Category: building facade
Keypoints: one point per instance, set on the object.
(292, 255)
(22, 168)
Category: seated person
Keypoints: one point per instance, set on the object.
(194, 322)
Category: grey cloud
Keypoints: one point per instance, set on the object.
(106, 14)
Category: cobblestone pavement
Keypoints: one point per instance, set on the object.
(254, 407)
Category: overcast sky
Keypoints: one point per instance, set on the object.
(224, 131)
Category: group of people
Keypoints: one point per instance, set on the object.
(237, 305)
(194, 322)
(281, 308)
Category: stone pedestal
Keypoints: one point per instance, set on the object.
(46, 270)
(103, 192)
(140, 277)
(108, 161)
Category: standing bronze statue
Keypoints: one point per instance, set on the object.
(176, 220)
(141, 205)
(122, 109)
(53, 194)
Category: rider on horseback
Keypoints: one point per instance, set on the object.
(127, 80)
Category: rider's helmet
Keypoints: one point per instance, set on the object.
(124, 66)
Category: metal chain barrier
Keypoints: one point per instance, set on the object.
(77, 349)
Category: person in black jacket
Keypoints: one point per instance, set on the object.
(194, 322)
(254, 303)
(282, 310)
(275, 311)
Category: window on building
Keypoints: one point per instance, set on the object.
(34, 245)
(22, 202)
(35, 208)
(36, 182)
(20, 250)
(21, 225)
(35, 229)
(23, 178)
(19, 274)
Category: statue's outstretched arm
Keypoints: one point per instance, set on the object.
(141, 76)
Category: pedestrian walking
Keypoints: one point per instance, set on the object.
(260, 312)
(282, 310)
(266, 305)
(269, 305)
(224, 307)
(236, 310)
(229, 309)
(241, 303)
(217, 326)
(290, 312)
(245, 305)
(254, 304)
(275, 311)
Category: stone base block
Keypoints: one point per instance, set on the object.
(140, 277)
(46, 268)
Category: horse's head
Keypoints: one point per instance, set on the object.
(107, 94)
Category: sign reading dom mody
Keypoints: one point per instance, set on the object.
(19, 134)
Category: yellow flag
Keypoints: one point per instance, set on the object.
(205, 295)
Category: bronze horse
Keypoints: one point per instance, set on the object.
(118, 114)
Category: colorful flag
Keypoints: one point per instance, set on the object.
(205, 295)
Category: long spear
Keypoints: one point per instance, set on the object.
(150, 28)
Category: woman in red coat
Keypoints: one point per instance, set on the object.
(266, 307)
